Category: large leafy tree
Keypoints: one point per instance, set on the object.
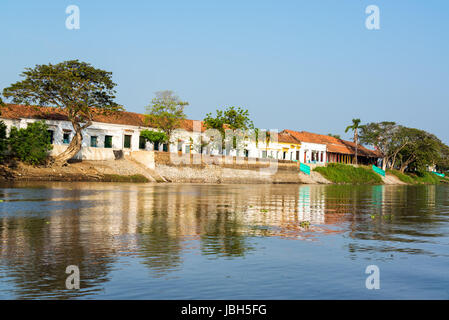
(443, 159)
(231, 118)
(77, 88)
(166, 112)
(422, 150)
(355, 128)
(387, 137)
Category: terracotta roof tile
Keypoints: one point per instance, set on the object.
(333, 144)
(13, 111)
(286, 138)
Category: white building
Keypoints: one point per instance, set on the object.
(109, 136)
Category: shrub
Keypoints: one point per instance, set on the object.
(30, 145)
(154, 136)
(3, 140)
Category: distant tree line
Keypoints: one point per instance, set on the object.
(404, 148)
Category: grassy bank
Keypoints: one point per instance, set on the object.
(343, 173)
(121, 178)
(418, 177)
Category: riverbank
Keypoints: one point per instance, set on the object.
(418, 178)
(100, 171)
(347, 174)
(286, 172)
(130, 170)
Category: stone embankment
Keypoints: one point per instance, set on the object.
(220, 169)
(146, 166)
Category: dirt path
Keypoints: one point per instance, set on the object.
(391, 179)
(314, 178)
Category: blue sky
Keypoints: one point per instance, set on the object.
(301, 65)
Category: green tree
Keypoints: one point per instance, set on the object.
(387, 137)
(442, 163)
(3, 140)
(231, 118)
(355, 128)
(337, 136)
(73, 86)
(421, 150)
(155, 137)
(166, 112)
(31, 145)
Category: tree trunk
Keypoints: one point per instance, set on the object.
(406, 163)
(384, 163)
(403, 167)
(356, 140)
(74, 146)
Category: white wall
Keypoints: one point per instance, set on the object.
(117, 131)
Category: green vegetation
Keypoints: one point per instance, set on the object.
(154, 136)
(232, 119)
(401, 176)
(119, 178)
(166, 112)
(343, 173)
(72, 86)
(418, 177)
(355, 127)
(30, 145)
(405, 149)
(304, 224)
(3, 140)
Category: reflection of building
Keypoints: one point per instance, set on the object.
(93, 224)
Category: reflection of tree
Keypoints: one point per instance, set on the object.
(37, 263)
(398, 218)
(160, 249)
(223, 236)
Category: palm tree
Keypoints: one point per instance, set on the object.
(354, 127)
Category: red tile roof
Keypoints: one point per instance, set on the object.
(14, 111)
(333, 144)
(287, 138)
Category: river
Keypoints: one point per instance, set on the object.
(192, 241)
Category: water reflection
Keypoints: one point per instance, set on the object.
(46, 227)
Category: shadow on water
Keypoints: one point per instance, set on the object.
(44, 227)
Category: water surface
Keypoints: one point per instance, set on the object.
(173, 241)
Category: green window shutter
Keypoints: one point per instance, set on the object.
(127, 143)
(108, 141)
